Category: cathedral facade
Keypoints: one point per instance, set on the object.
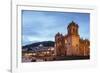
(71, 44)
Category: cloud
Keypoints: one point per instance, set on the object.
(43, 25)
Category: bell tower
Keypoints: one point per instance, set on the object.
(73, 39)
(72, 28)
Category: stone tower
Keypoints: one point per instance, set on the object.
(72, 28)
(59, 44)
(73, 39)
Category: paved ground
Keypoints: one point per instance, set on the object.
(72, 57)
(57, 58)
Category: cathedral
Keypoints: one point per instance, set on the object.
(71, 44)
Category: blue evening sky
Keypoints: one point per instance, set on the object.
(43, 25)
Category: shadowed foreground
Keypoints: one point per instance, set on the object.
(72, 58)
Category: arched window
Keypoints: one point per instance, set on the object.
(74, 30)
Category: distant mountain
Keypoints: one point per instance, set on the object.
(44, 44)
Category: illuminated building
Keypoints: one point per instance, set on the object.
(71, 44)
